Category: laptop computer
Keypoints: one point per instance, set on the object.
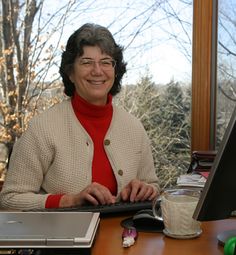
(48, 229)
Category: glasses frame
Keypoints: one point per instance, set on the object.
(105, 63)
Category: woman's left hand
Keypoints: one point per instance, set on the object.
(138, 191)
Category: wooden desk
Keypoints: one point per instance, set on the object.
(108, 240)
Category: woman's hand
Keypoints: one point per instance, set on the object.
(138, 191)
(94, 193)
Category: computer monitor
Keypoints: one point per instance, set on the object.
(218, 197)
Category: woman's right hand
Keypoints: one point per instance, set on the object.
(94, 193)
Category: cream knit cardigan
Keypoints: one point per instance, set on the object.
(55, 156)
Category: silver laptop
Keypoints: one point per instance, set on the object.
(48, 229)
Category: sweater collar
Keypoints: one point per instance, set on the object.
(86, 109)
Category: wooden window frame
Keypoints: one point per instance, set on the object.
(204, 52)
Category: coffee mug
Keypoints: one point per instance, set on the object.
(176, 207)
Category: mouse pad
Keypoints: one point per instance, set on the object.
(143, 223)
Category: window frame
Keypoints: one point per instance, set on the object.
(204, 73)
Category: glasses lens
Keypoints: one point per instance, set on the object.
(105, 64)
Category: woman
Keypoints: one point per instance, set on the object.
(83, 150)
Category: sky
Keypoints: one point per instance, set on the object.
(156, 34)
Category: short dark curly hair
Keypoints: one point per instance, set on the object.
(91, 35)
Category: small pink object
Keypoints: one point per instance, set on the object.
(129, 236)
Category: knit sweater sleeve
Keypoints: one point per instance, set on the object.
(28, 163)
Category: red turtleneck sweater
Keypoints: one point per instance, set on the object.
(96, 121)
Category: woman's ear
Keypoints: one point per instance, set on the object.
(71, 77)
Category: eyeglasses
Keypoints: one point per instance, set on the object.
(105, 64)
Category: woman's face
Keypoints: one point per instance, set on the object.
(93, 75)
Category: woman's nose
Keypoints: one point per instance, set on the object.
(97, 68)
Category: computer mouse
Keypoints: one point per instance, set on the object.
(144, 220)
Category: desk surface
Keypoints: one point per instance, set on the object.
(108, 240)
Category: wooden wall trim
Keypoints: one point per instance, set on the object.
(201, 75)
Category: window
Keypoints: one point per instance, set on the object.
(226, 65)
(157, 40)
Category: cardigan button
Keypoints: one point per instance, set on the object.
(120, 172)
(107, 142)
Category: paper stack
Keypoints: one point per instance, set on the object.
(191, 180)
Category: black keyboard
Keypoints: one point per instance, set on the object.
(116, 208)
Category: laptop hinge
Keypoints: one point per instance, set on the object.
(59, 242)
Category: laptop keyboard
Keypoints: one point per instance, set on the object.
(116, 208)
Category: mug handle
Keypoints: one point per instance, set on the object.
(156, 208)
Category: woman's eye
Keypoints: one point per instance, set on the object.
(87, 63)
(106, 63)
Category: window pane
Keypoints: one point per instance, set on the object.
(226, 64)
(157, 40)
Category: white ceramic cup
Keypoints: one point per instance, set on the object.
(177, 208)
